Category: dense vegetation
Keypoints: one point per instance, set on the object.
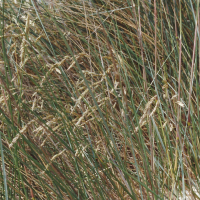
(99, 99)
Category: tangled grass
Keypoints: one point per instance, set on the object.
(99, 99)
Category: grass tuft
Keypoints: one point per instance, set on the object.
(99, 99)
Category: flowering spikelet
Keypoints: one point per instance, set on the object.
(52, 159)
(21, 132)
(142, 121)
(154, 110)
(22, 49)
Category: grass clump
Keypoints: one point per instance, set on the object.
(99, 99)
